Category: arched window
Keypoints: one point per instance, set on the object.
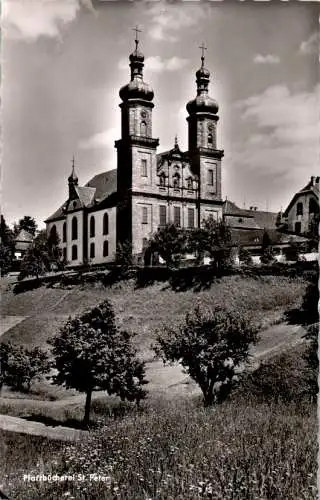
(105, 248)
(64, 232)
(299, 208)
(176, 181)
(74, 252)
(210, 139)
(189, 183)
(92, 251)
(64, 250)
(74, 228)
(106, 224)
(92, 227)
(53, 236)
(143, 129)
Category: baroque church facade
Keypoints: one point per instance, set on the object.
(147, 190)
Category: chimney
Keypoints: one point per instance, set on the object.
(317, 180)
(312, 180)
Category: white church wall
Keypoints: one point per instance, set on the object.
(99, 238)
(78, 241)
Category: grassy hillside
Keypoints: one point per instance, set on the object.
(142, 310)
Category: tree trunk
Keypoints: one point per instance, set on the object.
(86, 418)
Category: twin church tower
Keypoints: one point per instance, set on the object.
(147, 190)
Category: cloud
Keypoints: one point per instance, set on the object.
(103, 139)
(285, 137)
(312, 45)
(267, 59)
(156, 64)
(168, 19)
(30, 19)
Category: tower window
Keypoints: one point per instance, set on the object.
(162, 180)
(105, 248)
(176, 181)
(144, 215)
(144, 168)
(105, 223)
(189, 183)
(74, 252)
(92, 251)
(92, 227)
(162, 215)
(299, 208)
(74, 228)
(64, 232)
(177, 216)
(143, 129)
(210, 139)
(190, 218)
(210, 177)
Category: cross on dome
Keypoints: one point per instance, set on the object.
(137, 30)
(203, 48)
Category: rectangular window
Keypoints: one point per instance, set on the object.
(210, 177)
(177, 216)
(105, 248)
(190, 218)
(92, 251)
(144, 215)
(162, 215)
(144, 168)
(74, 252)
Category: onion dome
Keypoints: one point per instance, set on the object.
(136, 88)
(203, 103)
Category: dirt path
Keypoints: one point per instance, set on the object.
(15, 424)
(8, 322)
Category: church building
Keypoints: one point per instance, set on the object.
(147, 190)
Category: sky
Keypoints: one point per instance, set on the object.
(64, 61)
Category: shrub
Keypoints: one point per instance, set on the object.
(245, 256)
(21, 366)
(209, 345)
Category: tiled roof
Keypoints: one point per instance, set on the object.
(100, 187)
(24, 236)
(251, 219)
(86, 195)
(265, 220)
(254, 237)
(105, 184)
(230, 208)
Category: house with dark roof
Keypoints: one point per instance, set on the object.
(303, 210)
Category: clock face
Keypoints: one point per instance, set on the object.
(143, 114)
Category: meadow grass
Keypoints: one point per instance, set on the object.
(177, 450)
